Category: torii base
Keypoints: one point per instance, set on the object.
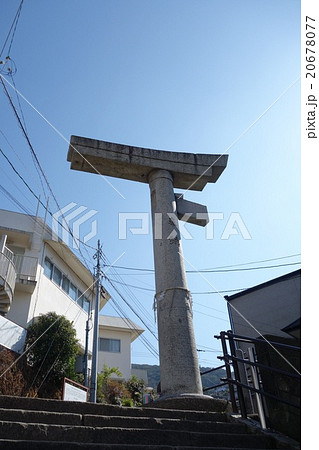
(192, 402)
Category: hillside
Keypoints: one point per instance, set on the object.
(210, 379)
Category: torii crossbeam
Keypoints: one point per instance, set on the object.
(163, 171)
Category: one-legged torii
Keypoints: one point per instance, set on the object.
(163, 171)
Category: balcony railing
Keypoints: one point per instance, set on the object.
(7, 279)
(26, 268)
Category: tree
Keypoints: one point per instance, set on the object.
(108, 391)
(136, 386)
(53, 354)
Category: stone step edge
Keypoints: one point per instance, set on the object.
(82, 417)
(35, 445)
(25, 425)
(94, 435)
(52, 405)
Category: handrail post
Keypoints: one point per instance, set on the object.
(228, 372)
(261, 413)
(237, 376)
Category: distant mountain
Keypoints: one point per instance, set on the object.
(210, 379)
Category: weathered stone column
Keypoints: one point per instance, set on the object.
(164, 171)
(178, 356)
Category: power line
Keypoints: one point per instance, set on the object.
(217, 270)
(193, 293)
(147, 344)
(130, 306)
(14, 24)
(40, 167)
(26, 168)
(38, 199)
(128, 291)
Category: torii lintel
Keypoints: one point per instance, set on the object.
(189, 170)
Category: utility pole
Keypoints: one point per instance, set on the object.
(93, 386)
(86, 351)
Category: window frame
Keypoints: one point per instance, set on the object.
(49, 269)
(109, 341)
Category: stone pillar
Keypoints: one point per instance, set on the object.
(178, 356)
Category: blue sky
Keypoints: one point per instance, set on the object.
(180, 75)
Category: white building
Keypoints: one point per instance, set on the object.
(38, 274)
(115, 338)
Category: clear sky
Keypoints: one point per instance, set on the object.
(198, 76)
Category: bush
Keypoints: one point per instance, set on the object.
(105, 394)
(52, 357)
(12, 382)
(135, 386)
(115, 392)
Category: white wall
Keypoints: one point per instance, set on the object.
(27, 234)
(50, 297)
(12, 336)
(121, 360)
(19, 311)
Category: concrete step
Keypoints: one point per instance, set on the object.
(38, 404)
(140, 436)
(40, 417)
(18, 415)
(163, 424)
(44, 445)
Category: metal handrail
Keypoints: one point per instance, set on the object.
(262, 392)
(239, 338)
(213, 369)
(215, 386)
(231, 360)
(263, 366)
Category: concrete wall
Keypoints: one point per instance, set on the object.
(50, 297)
(27, 235)
(268, 309)
(12, 336)
(121, 360)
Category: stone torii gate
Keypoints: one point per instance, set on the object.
(162, 170)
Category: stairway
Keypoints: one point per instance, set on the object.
(36, 424)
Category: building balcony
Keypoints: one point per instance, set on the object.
(26, 270)
(7, 279)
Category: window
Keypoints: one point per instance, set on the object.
(73, 292)
(48, 268)
(110, 345)
(65, 284)
(79, 300)
(86, 304)
(57, 275)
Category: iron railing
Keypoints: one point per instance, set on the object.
(233, 378)
(224, 383)
(26, 267)
(7, 280)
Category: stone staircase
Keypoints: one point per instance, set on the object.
(34, 424)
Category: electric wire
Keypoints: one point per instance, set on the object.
(26, 168)
(39, 200)
(140, 307)
(144, 340)
(26, 136)
(216, 270)
(130, 306)
(40, 167)
(14, 24)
